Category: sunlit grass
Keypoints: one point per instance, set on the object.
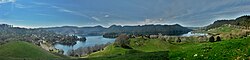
(24, 50)
(227, 49)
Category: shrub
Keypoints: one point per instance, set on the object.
(178, 40)
(82, 51)
(211, 39)
(218, 38)
(122, 41)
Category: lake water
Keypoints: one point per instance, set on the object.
(91, 41)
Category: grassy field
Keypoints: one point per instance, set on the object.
(113, 53)
(224, 29)
(162, 50)
(24, 50)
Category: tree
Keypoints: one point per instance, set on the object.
(211, 39)
(218, 38)
(178, 40)
(122, 41)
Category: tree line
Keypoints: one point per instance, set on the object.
(240, 21)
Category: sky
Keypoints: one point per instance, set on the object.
(49, 13)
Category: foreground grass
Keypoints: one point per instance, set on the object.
(157, 49)
(24, 50)
(225, 50)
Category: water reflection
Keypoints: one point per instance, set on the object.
(91, 41)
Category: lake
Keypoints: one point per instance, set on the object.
(91, 41)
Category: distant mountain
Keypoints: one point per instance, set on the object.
(240, 21)
(146, 30)
(117, 29)
(97, 30)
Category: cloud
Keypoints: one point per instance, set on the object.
(153, 21)
(77, 13)
(7, 1)
(40, 3)
(69, 11)
(106, 16)
(19, 20)
(41, 14)
(61, 9)
(96, 19)
(144, 22)
(137, 12)
(18, 5)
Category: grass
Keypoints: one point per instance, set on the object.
(110, 50)
(142, 50)
(152, 49)
(136, 56)
(24, 50)
(149, 45)
(225, 50)
(224, 29)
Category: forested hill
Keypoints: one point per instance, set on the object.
(96, 30)
(117, 29)
(240, 21)
(149, 29)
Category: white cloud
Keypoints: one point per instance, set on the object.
(106, 16)
(44, 14)
(19, 20)
(39, 3)
(7, 1)
(153, 21)
(18, 5)
(69, 11)
(96, 19)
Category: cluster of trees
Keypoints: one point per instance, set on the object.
(86, 50)
(212, 39)
(122, 41)
(70, 40)
(240, 21)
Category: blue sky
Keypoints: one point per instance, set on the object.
(48, 13)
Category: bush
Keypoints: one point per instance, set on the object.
(122, 41)
(218, 38)
(82, 51)
(178, 40)
(211, 39)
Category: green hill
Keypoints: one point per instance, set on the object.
(240, 21)
(24, 50)
(157, 49)
(152, 49)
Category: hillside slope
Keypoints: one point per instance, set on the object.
(24, 50)
(240, 21)
(162, 50)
